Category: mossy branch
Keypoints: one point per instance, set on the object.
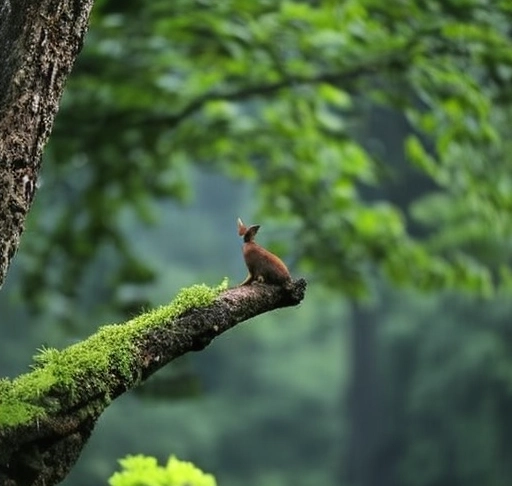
(47, 415)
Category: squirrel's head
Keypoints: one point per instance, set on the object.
(248, 233)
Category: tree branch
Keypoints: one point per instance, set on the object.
(41, 450)
(344, 77)
(130, 118)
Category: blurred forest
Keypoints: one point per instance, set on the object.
(370, 140)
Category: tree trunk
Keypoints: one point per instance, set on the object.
(365, 406)
(40, 40)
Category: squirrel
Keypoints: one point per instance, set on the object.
(263, 266)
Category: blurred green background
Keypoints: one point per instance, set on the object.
(370, 140)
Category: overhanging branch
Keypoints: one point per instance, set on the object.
(41, 451)
(344, 77)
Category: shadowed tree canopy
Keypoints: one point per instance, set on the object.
(267, 91)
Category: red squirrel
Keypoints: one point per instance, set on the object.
(263, 266)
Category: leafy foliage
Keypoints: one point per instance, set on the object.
(274, 92)
(144, 471)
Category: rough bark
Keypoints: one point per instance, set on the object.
(41, 452)
(39, 41)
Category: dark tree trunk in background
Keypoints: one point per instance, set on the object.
(365, 404)
(39, 41)
(372, 455)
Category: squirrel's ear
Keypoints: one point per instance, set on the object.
(253, 229)
(241, 227)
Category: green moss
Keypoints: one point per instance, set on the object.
(13, 410)
(188, 298)
(111, 348)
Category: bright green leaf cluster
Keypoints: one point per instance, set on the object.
(144, 471)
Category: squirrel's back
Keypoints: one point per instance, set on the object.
(263, 265)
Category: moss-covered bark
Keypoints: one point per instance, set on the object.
(46, 416)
